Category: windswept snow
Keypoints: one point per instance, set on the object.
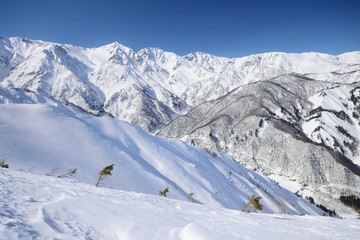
(50, 139)
(40, 207)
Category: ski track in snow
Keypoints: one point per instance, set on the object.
(40, 207)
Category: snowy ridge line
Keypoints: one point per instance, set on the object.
(150, 87)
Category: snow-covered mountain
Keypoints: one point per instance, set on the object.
(150, 87)
(105, 79)
(293, 116)
(40, 207)
(52, 139)
(291, 126)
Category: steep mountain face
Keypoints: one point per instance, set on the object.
(149, 87)
(106, 79)
(291, 126)
(334, 119)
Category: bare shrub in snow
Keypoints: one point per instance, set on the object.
(52, 172)
(70, 173)
(254, 201)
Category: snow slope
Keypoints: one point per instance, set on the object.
(51, 139)
(40, 207)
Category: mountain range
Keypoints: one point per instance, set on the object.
(293, 117)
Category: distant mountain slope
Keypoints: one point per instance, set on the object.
(305, 130)
(51, 139)
(150, 87)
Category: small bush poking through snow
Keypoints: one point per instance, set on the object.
(52, 172)
(3, 164)
(70, 173)
(254, 201)
(106, 171)
(164, 192)
(191, 197)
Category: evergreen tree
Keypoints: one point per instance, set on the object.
(106, 171)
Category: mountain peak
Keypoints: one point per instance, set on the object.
(115, 47)
(154, 53)
(198, 54)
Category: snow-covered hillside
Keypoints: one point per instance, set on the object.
(150, 87)
(50, 139)
(40, 207)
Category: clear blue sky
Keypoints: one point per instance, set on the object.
(224, 28)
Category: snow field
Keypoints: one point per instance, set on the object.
(41, 207)
(48, 139)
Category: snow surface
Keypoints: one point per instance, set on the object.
(50, 139)
(40, 207)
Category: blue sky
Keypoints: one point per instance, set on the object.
(224, 28)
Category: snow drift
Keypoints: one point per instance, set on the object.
(40, 207)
